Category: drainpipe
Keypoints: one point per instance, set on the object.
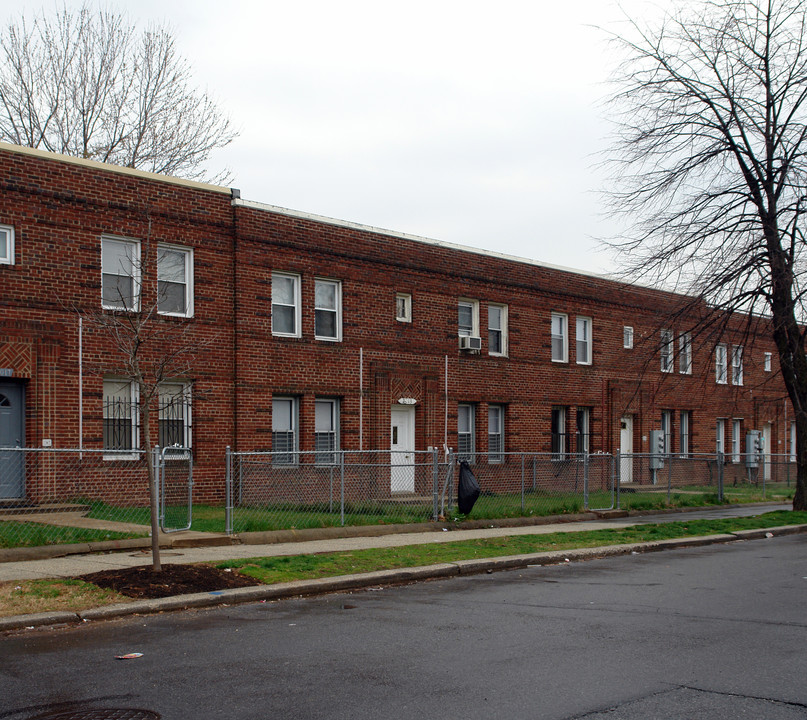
(235, 197)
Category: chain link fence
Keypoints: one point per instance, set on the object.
(54, 496)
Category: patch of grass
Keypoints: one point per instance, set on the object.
(22, 534)
(282, 569)
(33, 596)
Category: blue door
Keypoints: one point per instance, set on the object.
(12, 435)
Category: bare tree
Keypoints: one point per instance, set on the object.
(88, 84)
(147, 349)
(711, 169)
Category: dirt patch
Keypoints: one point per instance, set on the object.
(143, 583)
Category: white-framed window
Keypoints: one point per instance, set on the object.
(627, 337)
(286, 305)
(666, 351)
(466, 432)
(737, 365)
(685, 354)
(175, 280)
(792, 451)
(468, 318)
(326, 430)
(175, 414)
(121, 418)
(736, 440)
(721, 364)
(558, 427)
(327, 309)
(495, 433)
(120, 274)
(403, 307)
(584, 340)
(768, 361)
(284, 430)
(6, 245)
(666, 430)
(685, 432)
(720, 436)
(497, 329)
(560, 337)
(583, 431)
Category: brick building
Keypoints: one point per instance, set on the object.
(310, 333)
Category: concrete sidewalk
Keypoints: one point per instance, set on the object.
(80, 564)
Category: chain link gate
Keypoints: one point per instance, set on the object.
(174, 473)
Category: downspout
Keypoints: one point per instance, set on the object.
(361, 398)
(80, 385)
(445, 420)
(235, 196)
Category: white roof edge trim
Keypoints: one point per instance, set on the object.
(108, 167)
(415, 238)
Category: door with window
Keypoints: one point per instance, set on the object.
(402, 449)
(12, 435)
(626, 449)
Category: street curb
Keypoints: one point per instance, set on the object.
(459, 568)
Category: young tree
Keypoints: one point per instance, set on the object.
(88, 84)
(147, 349)
(711, 168)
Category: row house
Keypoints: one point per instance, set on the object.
(284, 331)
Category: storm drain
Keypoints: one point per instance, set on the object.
(101, 714)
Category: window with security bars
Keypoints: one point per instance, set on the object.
(120, 412)
(284, 431)
(559, 447)
(466, 446)
(326, 431)
(174, 416)
(583, 430)
(495, 433)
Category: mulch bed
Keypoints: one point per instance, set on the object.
(174, 579)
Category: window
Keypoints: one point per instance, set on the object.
(175, 281)
(583, 338)
(403, 307)
(326, 431)
(495, 433)
(120, 415)
(560, 338)
(666, 351)
(685, 354)
(284, 430)
(737, 365)
(685, 427)
(558, 433)
(768, 359)
(285, 305)
(175, 415)
(327, 309)
(721, 365)
(468, 318)
(466, 432)
(736, 440)
(120, 274)
(583, 431)
(627, 337)
(666, 430)
(6, 245)
(497, 329)
(720, 437)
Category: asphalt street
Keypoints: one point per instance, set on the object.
(715, 632)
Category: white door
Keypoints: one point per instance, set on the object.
(626, 449)
(767, 438)
(402, 449)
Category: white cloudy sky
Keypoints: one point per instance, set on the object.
(476, 123)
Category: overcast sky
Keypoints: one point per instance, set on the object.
(476, 123)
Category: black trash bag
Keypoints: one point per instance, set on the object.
(467, 490)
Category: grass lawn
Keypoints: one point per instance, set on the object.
(22, 534)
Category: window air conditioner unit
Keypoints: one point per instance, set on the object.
(470, 343)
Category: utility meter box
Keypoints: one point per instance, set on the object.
(656, 449)
(753, 448)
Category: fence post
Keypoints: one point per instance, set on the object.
(522, 483)
(228, 490)
(435, 484)
(720, 462)
(617, 475)
(342, 485)
(159, 488)
(585, 481)
(669, 477)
